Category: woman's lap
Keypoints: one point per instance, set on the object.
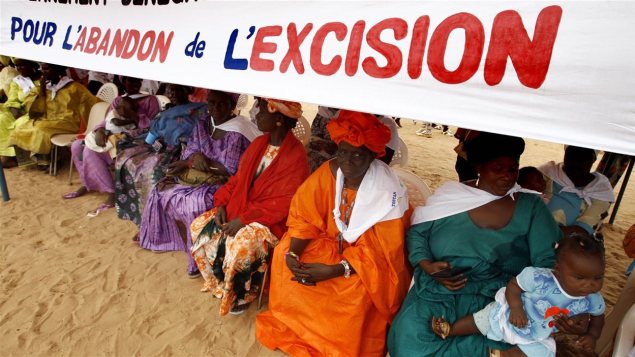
(411, 334)
(235, 278)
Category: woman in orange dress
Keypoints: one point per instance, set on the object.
(340, 274)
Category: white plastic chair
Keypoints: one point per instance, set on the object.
(163, 101)
(108, 92)
(97, 114)
(418, 190)
(241, 103)
(302, 130)
(400, 158)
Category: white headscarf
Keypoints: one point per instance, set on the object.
(241, 125)
(25, 83)
(600, 188)
(456, 197)
(380, 197)
(59, 85)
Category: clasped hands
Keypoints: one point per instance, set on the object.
(229, 228)
(311, 273)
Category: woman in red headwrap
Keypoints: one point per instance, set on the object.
(340, 274)
(230, 242)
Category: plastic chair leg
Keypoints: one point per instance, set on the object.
(51, 162)
(70, 173)
(55, 163)
(262, 286)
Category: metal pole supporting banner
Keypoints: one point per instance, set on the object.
(3, 185)
(622, 190)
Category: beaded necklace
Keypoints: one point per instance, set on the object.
(347, 216)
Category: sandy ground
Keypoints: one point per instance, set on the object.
(73, 285)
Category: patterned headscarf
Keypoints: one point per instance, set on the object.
(360, 129)
(289, 109)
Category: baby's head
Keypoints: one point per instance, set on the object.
(579, 264)
(128, 108)
(530, 178)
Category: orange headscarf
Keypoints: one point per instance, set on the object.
(360, 129)
(292, 110)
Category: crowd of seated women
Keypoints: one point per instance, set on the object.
(330, 222)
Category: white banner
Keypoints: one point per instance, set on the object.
(556, 71)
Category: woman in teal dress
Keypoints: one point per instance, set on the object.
(486, 225)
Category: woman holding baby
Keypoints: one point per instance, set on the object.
(130, 113)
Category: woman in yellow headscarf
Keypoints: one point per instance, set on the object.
(339, 274)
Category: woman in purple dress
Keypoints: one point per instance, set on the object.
(141, 160)
(95, 167)
(214, 147)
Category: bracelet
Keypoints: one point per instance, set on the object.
(347, 268)
(293, 255)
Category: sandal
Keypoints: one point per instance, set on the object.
(193, 274)
(102, 207)
(239, 309)
(71, 195)
(441, 327)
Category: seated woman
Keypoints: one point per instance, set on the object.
(577, 197)
(230, 242)
(483, 227)
(61, 105)
(213, 151)
(7, 73)
(95, 167)
(340, 273)
(22, 91)
(141, 161)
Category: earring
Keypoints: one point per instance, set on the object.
(278, 123)
(478, 177)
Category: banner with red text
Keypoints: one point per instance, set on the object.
(556, 71)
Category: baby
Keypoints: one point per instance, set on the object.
(531, 178)
(122, 119)
(525, 313)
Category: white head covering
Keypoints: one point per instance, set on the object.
(381, 197)
(600, 188)
(456, 197)
(241, 125)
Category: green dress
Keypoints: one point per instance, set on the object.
(495, 257)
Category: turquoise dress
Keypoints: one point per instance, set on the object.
(495, 256)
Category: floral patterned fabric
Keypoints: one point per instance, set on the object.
(233, 267)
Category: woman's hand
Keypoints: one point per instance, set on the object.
(221, 216)
(316, 272)
(232, 227)
(16, 112)
(587, 343)
(42, 87)
(176, 167)
(577, 325)
(199, 162)
(452, 283)
(101, 137)
(217, 168)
